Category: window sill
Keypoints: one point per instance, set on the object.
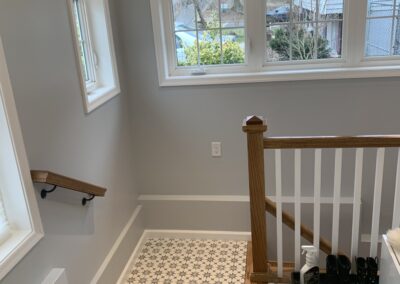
(100, 96)
(15, 248)
(277, 76)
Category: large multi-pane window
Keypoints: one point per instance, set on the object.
(268, 40)
(209, 32)
(383, 28)
(303, 29)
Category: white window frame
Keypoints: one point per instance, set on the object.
(16, 184)
(104, 82)
(352, 63)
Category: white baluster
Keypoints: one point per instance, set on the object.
(279, 241)
(376, 211)
(336, 200)
(297, 207)
(396, 209)
(317, 196)
(357, 202)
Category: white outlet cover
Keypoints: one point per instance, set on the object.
(216, 149)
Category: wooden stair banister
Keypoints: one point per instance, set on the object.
(306, 233)
(319, 142)
(58, 180)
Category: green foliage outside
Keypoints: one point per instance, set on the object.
(210, 53)
(302, 45)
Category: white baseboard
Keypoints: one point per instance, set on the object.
(56, 276)
(179, 234)
(117, 244)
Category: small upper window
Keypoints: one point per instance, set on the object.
(91, 25)
(383, 28)
(210, 32)
(303, 30)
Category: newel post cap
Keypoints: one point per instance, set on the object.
(253, 124)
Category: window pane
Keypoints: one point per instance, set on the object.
(303, 42)
(278, 43)
(378, 37)
(330, 39)
(186, 48)
(304, 11)
(277, 11)
(184, 15)
(330, 10)
(381, 8)
(233, 46)
(207, 12)
(232, 13)
(396, 37)
(209, 32)
(210, 47)
(312, 29)
(80, 34)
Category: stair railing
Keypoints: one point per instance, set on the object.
(255, 127)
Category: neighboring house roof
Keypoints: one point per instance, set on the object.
(326, 7)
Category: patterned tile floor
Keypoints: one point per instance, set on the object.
(181, 261)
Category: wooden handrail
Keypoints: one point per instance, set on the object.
(66, 182)
(318, 142)
(306, 233)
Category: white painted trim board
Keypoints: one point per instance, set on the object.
(116, 244)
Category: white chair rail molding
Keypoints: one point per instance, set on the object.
(20, 223)
(258, 41)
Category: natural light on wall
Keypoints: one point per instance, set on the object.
(94, 49)
(243, 41)
(20, 224)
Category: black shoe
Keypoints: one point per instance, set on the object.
(295, 278)
(372, 270)
(344, 267)
(361, 270)
(331, 269)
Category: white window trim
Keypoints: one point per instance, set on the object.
(353, 64)
(107, 84)
(22, 240)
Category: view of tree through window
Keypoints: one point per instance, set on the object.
(209, 32)
(383, 28)
(303, 29)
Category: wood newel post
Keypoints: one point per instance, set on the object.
(255, 127)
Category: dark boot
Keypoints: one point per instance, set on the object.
(331, 269)
(372, 270)
(344, 267)
(361, 270)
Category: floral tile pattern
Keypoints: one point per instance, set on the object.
(187, 261)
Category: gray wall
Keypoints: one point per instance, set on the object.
(177, 124)
(60, 137)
